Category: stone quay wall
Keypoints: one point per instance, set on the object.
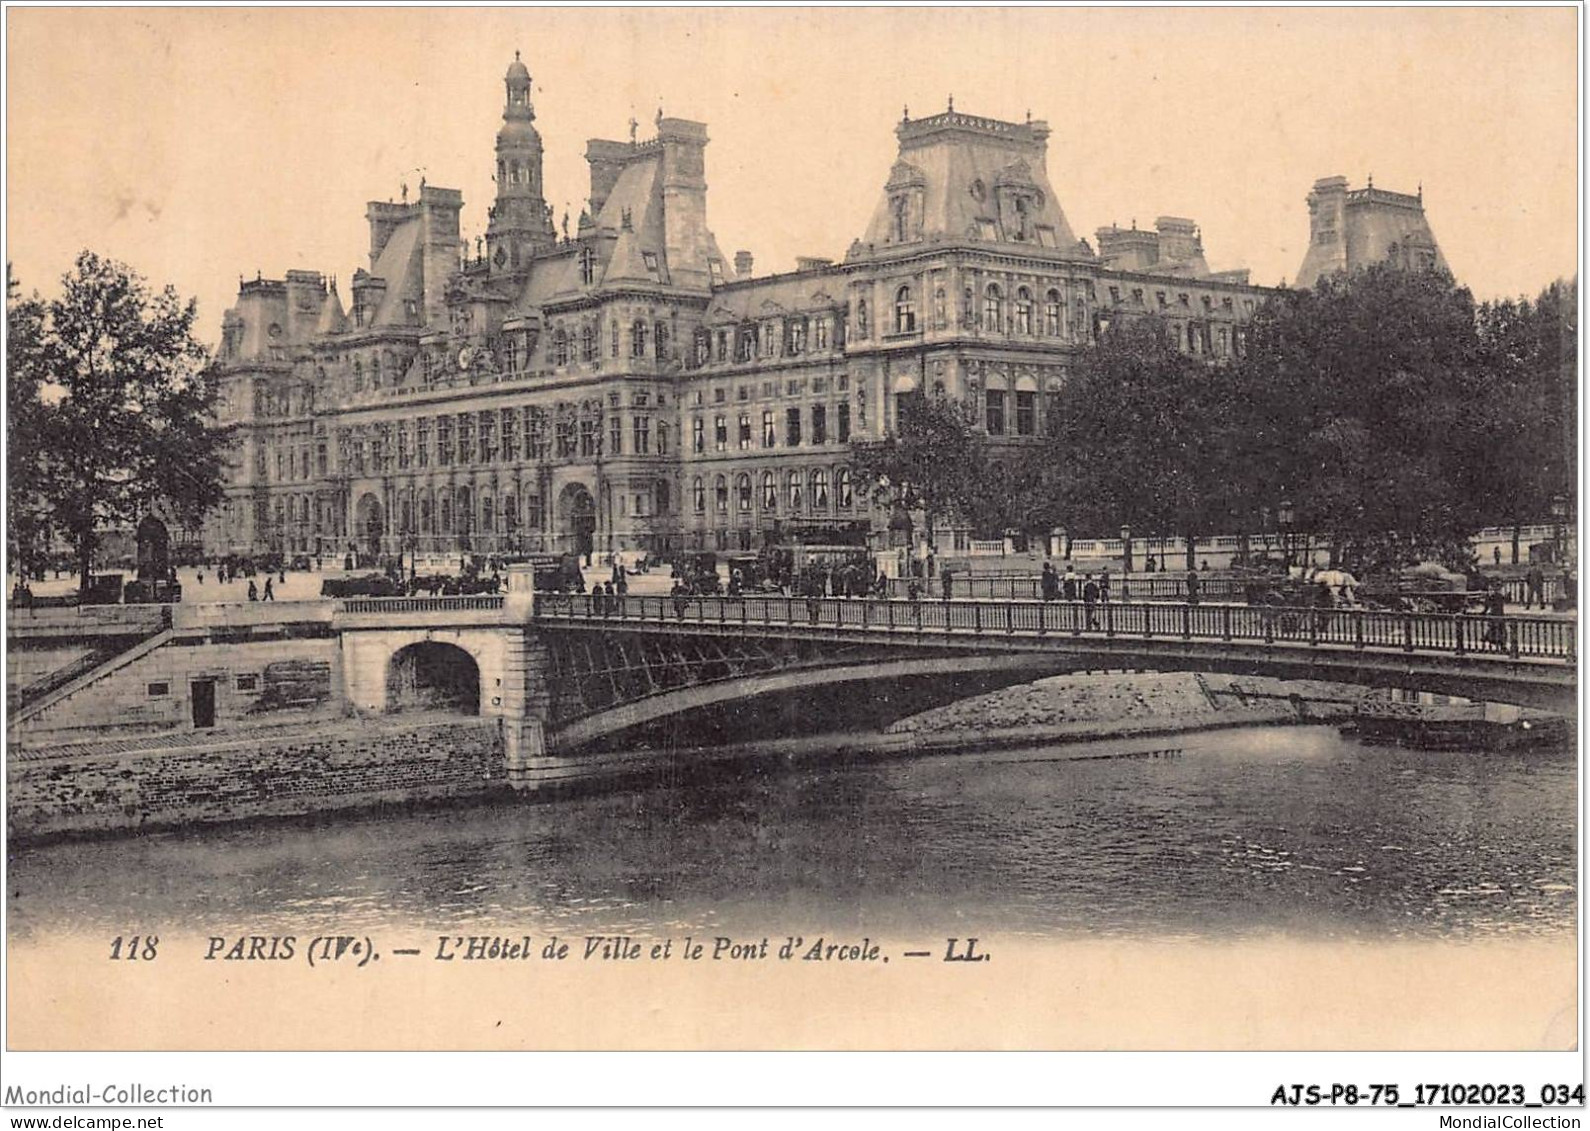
(134, 784)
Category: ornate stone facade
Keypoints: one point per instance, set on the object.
(620, 387)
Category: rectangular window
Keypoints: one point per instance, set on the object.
(565, 439)
(510, 434)
(720, 396)
(995, 416)
(745, 431)
(697, 439)
(466, 438)
(723, 345)
(768, 438)
(820, 334)
(642, 430)
(402, 446)
(158, 689)
(720, 434)
(819, 424)
(320, 459)
(488, 436)
(792, 427)
(843, 423)
(247, 682)
(615, 436)
(590, 437)
(1026, 414)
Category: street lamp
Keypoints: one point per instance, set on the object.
(1126, 547)
(1284, 517)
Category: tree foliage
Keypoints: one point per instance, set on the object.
(934, 462)
(110, 392)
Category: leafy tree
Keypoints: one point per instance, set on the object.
(113, 392)
(27, 515)
(1143, 441)
(1366, 405)
(934, 461)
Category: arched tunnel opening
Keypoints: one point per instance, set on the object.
(433, 677)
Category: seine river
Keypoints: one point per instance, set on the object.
(1213, 835)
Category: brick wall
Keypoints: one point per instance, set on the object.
(104, 786)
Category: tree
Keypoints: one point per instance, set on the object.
(1367, 405)
(932, 462)
(27, 517)
(1143, 440)
(112, 391)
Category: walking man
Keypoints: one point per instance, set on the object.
(1090, 598)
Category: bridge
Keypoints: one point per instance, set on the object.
(566, 672)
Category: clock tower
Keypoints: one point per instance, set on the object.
(521, 223)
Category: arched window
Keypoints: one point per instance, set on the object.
(795, 490)
(720, 492)
(698, 495)
(1051, 314)
(510, 513)
(842, 488)
(486, 514)
(819, 489)
(425, 513)
(993, 309)
(445, 517)
(358, 376)
(742, 491)
(637, 342)
(587, 343)
(769, 492)
(861, 318)
(560, 347)
(904, 312)
(902, 213)
(1023, 311)
(587, 266)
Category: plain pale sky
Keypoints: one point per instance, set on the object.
(198, 145)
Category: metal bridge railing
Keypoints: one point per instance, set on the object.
(1516, 637)
(478, 601)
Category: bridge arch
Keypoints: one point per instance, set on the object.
(433, 675)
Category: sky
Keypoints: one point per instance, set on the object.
(203, 145)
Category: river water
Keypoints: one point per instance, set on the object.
(1215, 835)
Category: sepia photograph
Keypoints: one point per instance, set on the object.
(804, 529)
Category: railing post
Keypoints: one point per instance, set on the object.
(1043, 617)
(1010, 616)
(1313, 627)
(1407, 632)
(1512, 639)
(891, 616)
(918, 610)
(977, 617)
(1457, 631)
(1358, 629)
(1225, 622)
(1109, 619)
(1186, 622)
(866, 607)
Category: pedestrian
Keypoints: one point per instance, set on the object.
(1104, 587)
(1324, 601)
(201, 577)
(1496, 554)
(947, 581)
(1049, 582)
(1068, 585)
(270, 593)
(1534, 587)
(913, 591)
(253, 591)
(681, 598)
(1090, 597)
(1496, 624)
(1192, 587)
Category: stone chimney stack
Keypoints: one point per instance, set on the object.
(742, 264)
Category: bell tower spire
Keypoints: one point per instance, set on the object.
(521, 223)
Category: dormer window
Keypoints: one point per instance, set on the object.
(904, 312)
(650, 259)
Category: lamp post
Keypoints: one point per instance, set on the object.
(1559, 518)
(1126, 548)
(1284, 516)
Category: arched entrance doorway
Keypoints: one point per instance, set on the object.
(154, 550)
(577, 518)
(369, 524)
(432, 676)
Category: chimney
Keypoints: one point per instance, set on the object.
(742, 264)
(805, 263)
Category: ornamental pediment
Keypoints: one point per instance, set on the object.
(905, 175)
